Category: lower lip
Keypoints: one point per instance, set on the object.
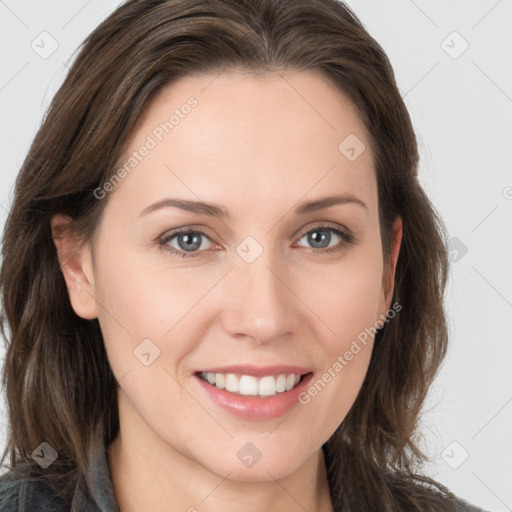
(253, 407)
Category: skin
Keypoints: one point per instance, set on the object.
(258, 147)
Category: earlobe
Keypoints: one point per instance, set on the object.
(76, 266)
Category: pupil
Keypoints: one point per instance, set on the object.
(324, 235)
(190, 241)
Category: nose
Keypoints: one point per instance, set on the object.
(260, 303)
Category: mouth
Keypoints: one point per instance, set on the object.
(255, 392)
(250, 385)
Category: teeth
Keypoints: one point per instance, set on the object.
(248, 385)
(232, 383)
(219, 380)
(281, 383)
(267, 386)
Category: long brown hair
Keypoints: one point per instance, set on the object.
(58, 382)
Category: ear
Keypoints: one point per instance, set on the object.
(388, 280)
(76, 265)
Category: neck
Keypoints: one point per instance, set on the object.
(148, 474)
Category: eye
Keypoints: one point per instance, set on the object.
(190, 242)
(320, 238)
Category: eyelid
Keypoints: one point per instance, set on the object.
(164, 239)
(329, 225)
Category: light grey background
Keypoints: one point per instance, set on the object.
(461, 104)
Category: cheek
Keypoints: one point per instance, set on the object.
(151, 308)
(344, 356)
(345, 297)
(346, 300)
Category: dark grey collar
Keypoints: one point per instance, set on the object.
(95, 493)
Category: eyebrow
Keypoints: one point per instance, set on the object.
(214, 210)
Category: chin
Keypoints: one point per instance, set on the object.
(245, 466)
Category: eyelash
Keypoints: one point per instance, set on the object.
(347, 238)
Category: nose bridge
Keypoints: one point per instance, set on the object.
(261, 304)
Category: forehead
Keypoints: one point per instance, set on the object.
(247, 137)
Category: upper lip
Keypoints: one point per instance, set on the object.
(258, 371)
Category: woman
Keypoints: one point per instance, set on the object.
(222, 280)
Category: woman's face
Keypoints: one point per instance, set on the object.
(270, 287)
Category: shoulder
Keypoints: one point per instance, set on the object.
(463, 506)
(21, 493)
(419, 492)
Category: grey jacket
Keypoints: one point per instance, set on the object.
(95, 495)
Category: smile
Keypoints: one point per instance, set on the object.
(254, 392)
(249, 385)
